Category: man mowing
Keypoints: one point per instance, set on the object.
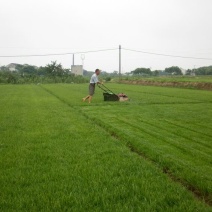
(93, 81)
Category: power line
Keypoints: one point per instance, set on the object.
(102, 50)
(36, 55)
(168, 55)
(58, 54)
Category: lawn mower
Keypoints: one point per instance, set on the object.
(111, 96)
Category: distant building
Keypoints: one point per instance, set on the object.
(77, 70)
(183, 71)
(12, 66)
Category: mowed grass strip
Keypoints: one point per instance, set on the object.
(54, 159)
(174, 131)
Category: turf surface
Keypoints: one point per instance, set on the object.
(57, 153)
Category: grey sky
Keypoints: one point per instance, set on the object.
(178, 27)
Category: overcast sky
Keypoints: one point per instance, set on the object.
(176, 27)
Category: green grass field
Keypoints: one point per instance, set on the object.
(153, 153)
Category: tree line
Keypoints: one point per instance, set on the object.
(55, 73)
(174, 70)
(51, 73)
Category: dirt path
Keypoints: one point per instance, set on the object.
(196, 85)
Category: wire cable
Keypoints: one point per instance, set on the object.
(102, 50)
(36, 55)
(168, 55)
(57, 54)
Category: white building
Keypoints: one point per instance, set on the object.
(183, 71)
(77, 69)
(12, 66)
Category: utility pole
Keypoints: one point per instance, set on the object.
(119, 63)
(73, 60)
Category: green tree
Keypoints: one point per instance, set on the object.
(28, 69)
(203, 70)
(175, 70)
(4, 68)
(156, 73)
(42, 71)
(55, 69)
(19, 67)
(142, 71)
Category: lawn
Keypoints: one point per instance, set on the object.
(152, 153)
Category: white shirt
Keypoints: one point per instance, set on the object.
(94, 78)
